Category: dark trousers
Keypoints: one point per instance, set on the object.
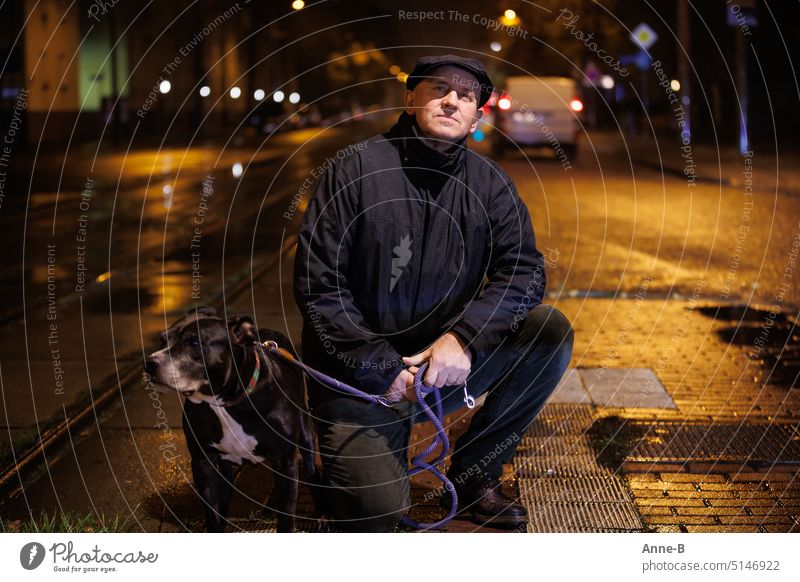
(364, 447)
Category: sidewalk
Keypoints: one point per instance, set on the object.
(766, 172)
(662, 424)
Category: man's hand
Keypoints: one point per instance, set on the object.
(449, 362)
(403, 386)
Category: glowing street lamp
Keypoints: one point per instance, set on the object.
(294, 97)
(298, 4)
(510, 18)
(205, 91)
(164, 86)
(235, 92)
(278, 96)
(259, 95)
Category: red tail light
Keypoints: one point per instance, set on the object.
(576, 105)
(504, 102)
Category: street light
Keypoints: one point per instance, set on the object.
(294, 97)
(675, 85)
(607, 82)
(496, 47)
(298, 4)
(510, 18)
(235, 92)
(278, 96)
(205, 91)
(164, 86)
(259, 95)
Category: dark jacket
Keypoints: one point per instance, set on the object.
(393, 251)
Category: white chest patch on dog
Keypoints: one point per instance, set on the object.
(236, 444)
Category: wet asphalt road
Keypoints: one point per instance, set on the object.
(108, 249)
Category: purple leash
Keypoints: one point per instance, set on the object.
(437, 418)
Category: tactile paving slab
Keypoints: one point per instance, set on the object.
(562, 419)
(581, 516)
(562, 485)
(558, 489)
(679, 441)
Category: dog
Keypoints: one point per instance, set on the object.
(242, 404)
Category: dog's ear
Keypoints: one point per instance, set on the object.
(202, 310)
(242, 329)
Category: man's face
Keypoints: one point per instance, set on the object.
(446, 103)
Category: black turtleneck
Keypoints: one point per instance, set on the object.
(416, 152)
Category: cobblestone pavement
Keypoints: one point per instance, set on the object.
(737, 402)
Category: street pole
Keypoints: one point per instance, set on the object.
(741, 88)
(742, 15)
(115, 104)
(684, 51)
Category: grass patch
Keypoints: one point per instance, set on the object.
(69, 522)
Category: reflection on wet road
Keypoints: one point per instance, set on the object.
(105, 251)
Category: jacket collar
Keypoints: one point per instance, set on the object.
(416, 152)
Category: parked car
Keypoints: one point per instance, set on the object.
(537, 111)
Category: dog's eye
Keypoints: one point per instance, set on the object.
(192, 342)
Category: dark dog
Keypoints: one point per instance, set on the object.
(241, 405)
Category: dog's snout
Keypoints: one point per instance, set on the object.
(151, 367)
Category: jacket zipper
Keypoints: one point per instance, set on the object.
(421, 253)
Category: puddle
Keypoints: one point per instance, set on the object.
(124, 299)
(777, 352)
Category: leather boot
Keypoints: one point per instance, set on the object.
(481, 498)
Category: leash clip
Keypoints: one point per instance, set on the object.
(469, 400)
(270, 345)
(383, 401)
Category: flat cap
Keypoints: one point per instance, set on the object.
(425, 65)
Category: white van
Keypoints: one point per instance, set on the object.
(538, 111)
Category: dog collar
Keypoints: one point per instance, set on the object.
(251, 385)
